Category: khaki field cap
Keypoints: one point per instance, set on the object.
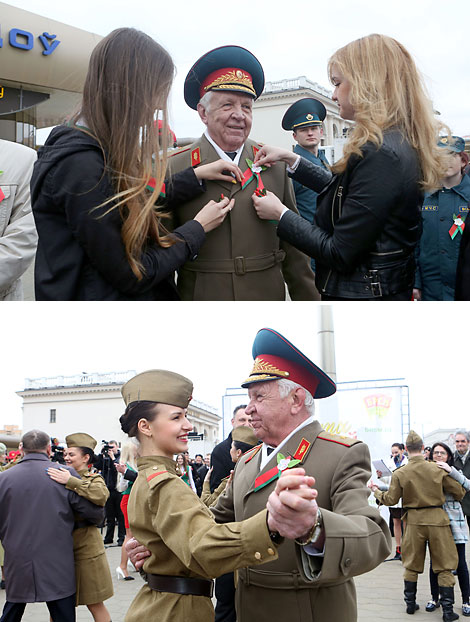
(80, 439)
(244, 434)
(414, 438)
(158, 385)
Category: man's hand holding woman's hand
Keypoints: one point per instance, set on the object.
(292, 507)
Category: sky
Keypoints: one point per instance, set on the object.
(210, 343)
(292, 44)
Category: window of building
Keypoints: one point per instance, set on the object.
(52, 415)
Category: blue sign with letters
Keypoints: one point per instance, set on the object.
(24, 40)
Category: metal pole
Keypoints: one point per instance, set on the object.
(326, 337)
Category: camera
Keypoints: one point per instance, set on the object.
(106, 447)
(57, 452)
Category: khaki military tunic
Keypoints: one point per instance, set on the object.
(210, 498)
(171, 521)
(92, 574)
(297, 587)
(243, 258)
(422, 486)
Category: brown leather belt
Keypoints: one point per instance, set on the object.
(181, 585)
(238, 265)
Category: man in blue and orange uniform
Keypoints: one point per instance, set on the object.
(344, 535)
(243, 259)
(304, 119)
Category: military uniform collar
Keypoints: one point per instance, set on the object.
(149, 462)
(221, 153)
(415, 458)
(264, 450)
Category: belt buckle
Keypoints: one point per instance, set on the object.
(240, 266)
(375, 286)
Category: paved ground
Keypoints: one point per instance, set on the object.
(380, 596)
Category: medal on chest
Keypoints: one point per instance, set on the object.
(458, 226)
(283, 463)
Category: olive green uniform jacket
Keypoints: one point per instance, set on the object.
(171, 521)
(422, 486)
(92, 574)
(297, 587)
(243, 258)
(210, 498)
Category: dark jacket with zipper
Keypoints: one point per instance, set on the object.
(81, 255)
(366, 224)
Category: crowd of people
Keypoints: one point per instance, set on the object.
(260, 505)
(433, 510)
(117, 212)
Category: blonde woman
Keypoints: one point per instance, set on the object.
(97, 181)
(92, 575)
(128, 474)
(367, 219)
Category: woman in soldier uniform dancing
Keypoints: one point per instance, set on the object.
(92, 574)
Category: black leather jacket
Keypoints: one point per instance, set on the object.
(366, 223)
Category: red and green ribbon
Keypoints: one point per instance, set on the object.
(250, 174)
(152, 182)
(283, 463)
(459, 225)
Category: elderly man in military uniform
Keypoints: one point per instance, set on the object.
(243, 259)
(304, 119)
(345, 536)
(422, 486)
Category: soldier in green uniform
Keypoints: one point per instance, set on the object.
(187, 547)
(92, 575)
(422, 486)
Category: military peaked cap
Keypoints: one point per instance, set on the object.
(276, 358)
(304, 113)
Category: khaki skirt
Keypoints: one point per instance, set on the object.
(92, 574)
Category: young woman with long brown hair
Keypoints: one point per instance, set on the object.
(367, 219)
(99, 177)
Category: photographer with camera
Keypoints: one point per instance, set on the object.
(106, 464)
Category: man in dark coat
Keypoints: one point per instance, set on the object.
(222, 464)
(462, 463)
(106, 464)
(36, 525)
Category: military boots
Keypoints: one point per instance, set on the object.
(447, 601)
(410, 597)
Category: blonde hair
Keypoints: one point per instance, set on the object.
(129, 76)
(387, 91)
(128, 454)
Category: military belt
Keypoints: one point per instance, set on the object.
(181, 585)
(238, 265)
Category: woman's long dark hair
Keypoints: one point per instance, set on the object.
(129, 79)
(450, 455)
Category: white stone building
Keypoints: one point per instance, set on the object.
(276, 98)
(92, 403)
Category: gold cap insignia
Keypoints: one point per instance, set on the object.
(309, 117)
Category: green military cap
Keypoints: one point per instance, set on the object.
(304, 113)
(158, 385)
(3, 448)
(413, 438)
(80, 439)
(453, 143)
(244, 434)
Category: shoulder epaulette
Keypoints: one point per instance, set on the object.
(251, 453)
(178, 151)
(347, 441)
(162, 475)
